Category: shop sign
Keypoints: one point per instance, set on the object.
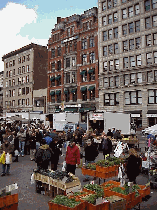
(65, 106)
(135, 115)
(151, 115)
(96, 116)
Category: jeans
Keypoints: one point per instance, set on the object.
(21, 147)
(86, 176)
(4, 168)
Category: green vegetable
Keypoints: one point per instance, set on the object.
(90, 199)
(108, 185)
(95, 187)
(65, 201)
(91, 166)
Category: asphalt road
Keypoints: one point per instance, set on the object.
(29, 200)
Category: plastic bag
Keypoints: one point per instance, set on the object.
(32, 179)
(8, 159)
(16, 152)
(2, 158)
(64, 166)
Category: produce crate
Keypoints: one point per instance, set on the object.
(116, 203)
(11, 207)
(101, 169)
(103, 206)
(133, 203)
(114, 184)
(8, 200)
(53, 206)
(144, 190)
(88, 172)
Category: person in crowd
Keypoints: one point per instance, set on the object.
(113, 131)
(27, 142)
(32, 145)
(56, 153)
(16, 146)
(43, 155)
(6, 148)
(72, 156)
(106, 146)
(47, 138)
(133, 165)
(38, 138)
(91, 153)
(77, 136)
(22, 136)
(109, 133)
(53, 134)
(117, 135)
(69, 137)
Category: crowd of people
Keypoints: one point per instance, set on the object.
(44, 145)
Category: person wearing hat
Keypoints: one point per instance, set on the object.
(72, 156)
(6, 148)
(91, 153)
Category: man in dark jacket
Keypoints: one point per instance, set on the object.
(43, 156)
(106, 146)
(91, 153)
(56, 152)
(109, 133)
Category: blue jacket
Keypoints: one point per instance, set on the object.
(48, 139)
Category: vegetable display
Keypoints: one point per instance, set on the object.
(65, 201)
(90, 166)
(110, 161)
(95, 187)
(90, 199)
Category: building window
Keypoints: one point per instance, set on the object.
(58, 65)
(148, 40)
(154, 39)
(70, 47)
(75, 45)
(92, 57)
(105, 51)
(152, 96)
(110, 19)
(6, 65)
(73, 77)
(19, 81)
(72, 30)
(111, 81)
(10, 93)
(109, 4)
(154, 4)
(148, 23)
(132, 78)
(106, 82)
(92, 75)
(125, 45)
(137, 26)
(110, 65)
(126, 79)
(68, 31)
(84, 76)
(137, 9)
(115, 31)
(124, 28)
(52, 53)
(9, 83)
(27, 101)
(13, 62)
(67, 77)
(139, 77)
(155, 75)
(53, 82)
(105, 66)
(84, 59)
(27, 68)
(124, 13)
(23, 69)
(13, 82)
(149, 58)
(91, 42)
(117, 81)
(131, 44)
(114, 3)
(126, 62)
(138, 42)
(133, 97)
(92, 95)
(66, 48)
(150, 76)
(131, 28)
(74, 97)
(59, 51)
(154, 20)
(73, 61)
(19, 60)
(23, 91)
(23, 80)
(13, 103)
(67, 62)
(132, 61)
(27, 78)
(131, 11)
(111, 99)
(155, 57)
(53, 66)
(116, 64)
(23, 59)
(147, 5)
(110, 34)
(104, 5)
(27, 90)
(104, 21)
(115, 17)
(19, 70)
(67, 96)
(19, 91)
(104, 35)
(28, 57)
(110, 49)
(116, 51)
(138, 60)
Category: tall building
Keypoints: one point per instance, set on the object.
(73, 64)
(1, 93)
(128, 58)
(25, 70)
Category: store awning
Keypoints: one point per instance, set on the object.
(52, 93)
(52, 78)
(66, 91)
(82, 72)
(83, 89)
(91, 88)
(90, 71)
(71, 109)
(58, 110)
(58, 92)
(87, 109)
(152, 113)
(74, 90)
(58, 77)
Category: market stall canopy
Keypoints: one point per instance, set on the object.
(90, 71)
(86, 109)
(58, 92)
(74, 90)
(82, 72)
(52, 78)
(72, 109)
(66, 91)
(83, 89)
(91, 88)
(58, 77)
(52, 93)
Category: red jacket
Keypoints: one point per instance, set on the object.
(73, 155)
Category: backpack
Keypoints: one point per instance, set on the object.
(46, 155)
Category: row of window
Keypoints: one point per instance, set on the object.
(21, 70)
(20, 102)
(56, 37)
(87, 25)
(150, 4)
(108, 4)
(10, 63)
(21, 80)
(23, 59)
(21, 91)
(91, 58)
(87, 44)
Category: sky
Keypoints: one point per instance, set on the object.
(26, 21)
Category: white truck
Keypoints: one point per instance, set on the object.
(119, 121)
(61, 119)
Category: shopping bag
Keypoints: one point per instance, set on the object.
(32, 179)
(2, 158)
(64, 166)
(8, 158)
(16, 152)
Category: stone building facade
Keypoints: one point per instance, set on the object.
(1, 93)
(128, 58)
(25, 70)
(73, 64)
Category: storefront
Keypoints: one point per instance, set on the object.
(152, 117)
(135, 118)
(96, 121)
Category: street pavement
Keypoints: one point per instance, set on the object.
(30, 200)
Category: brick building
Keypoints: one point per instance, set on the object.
(73, 64)
(1, 93)
(25, 70)
(128, 58)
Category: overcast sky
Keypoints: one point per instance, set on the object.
(26, 21)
